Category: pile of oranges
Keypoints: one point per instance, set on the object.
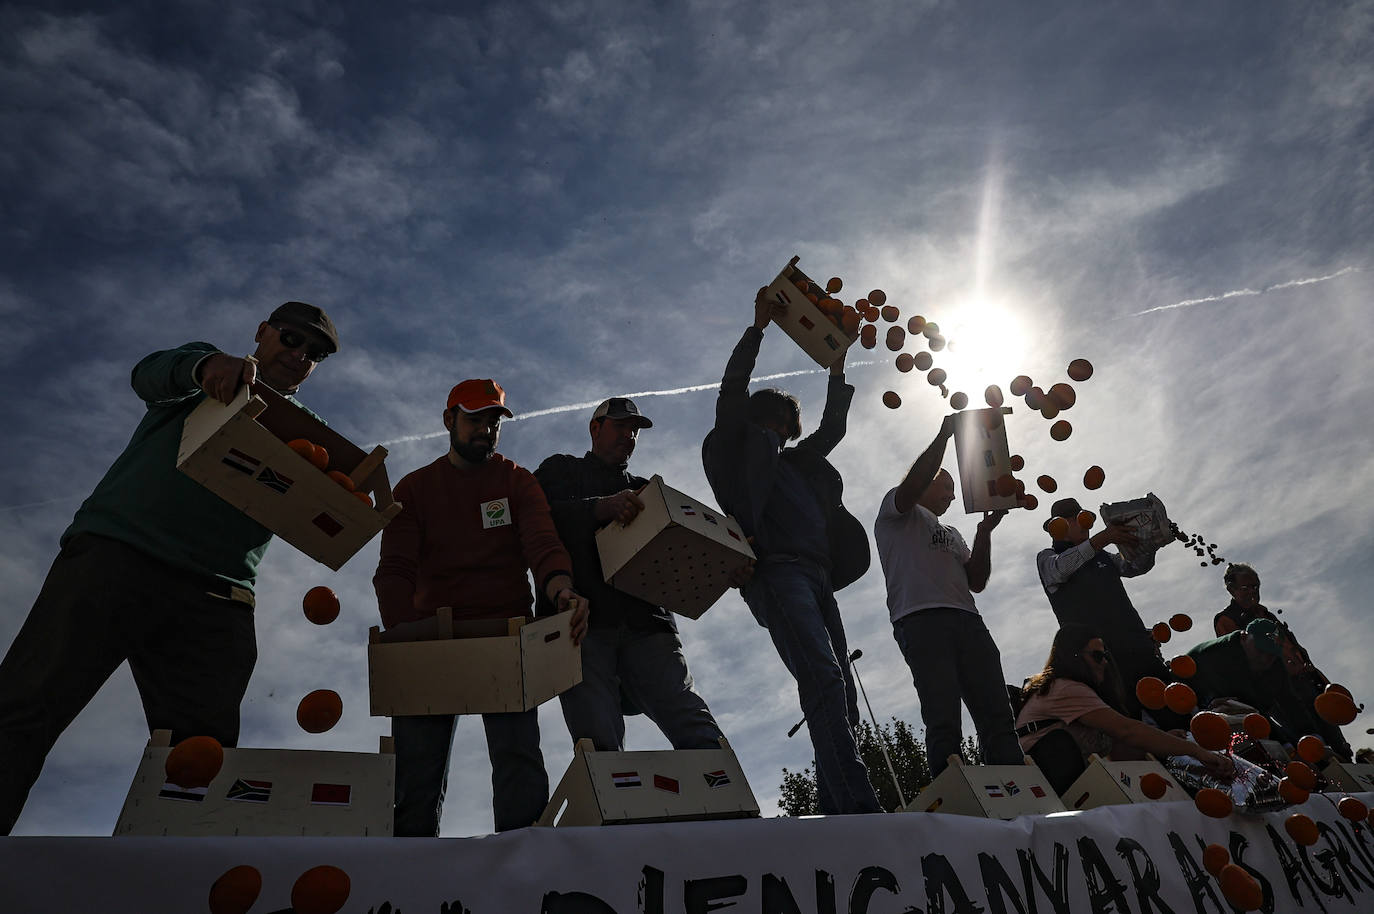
(318, 456)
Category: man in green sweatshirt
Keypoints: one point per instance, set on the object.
(154, 569)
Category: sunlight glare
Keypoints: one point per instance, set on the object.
(990, 346)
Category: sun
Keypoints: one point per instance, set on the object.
(988, 344)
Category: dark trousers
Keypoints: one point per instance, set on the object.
(190, 647)
(519, 784)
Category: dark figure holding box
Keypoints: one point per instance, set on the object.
(155, 569)
(472, 525)
(787, 500)
(632, 649)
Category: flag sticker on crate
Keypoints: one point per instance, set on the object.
(806, 322)
(626, 779)
(331, 795)
(172, 791)
(666, 783)
(689, 511)
(246, 791)
(329, 525)
(240, 461)
(715, 779)
(274, 480)
(993, 790)
(1011, 788)
(1037, 791)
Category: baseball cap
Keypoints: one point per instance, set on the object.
(1265, 633)
(1067, 508)
(621, 408)
(477, 394)
(307, 317)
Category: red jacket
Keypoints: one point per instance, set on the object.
(466, 538)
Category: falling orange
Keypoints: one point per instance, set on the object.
(1153, 785)
(235, 891)
(1058, 528)
(891, 399)
(1180, 697)
(1149, 690)
(1020, 385)
(1161, 632)
(993, 396)
(1086, 519)
(319, 711)
(1214, 857)
(877, 297)
(1180, 622)
(1047, 484)
(958, 400)
(194, 762)
(1061, 430)
(1336, 708)
(890, 313)
(1213, 802)
(936, 377)
(320, 890)
(321, 605)
(1062, 395)
(834, 284)
(1018, 463)
(896, 338)
(1211, 730)
(1183, 666)
(1080, 369)
(930, 330)
(924, 360)
(1352, 809)
(905, 362)
(1256, 724)
(1292, 792)
(915, 324)
(1094, 478)
(1240, 888)
(1030, 502)
(868, 336)
(936, 343)
(1005, 485)
(849, 321)
(1302, 829)
(1301, 774)
(1311, 749)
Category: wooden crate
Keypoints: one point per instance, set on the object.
(989, 791)
(239, 452)
(443, 666)
(1348, 778)
(805, 322)
(264, 792)
(1109, 783)
(981, 450)
(665, 785)
(677, 553)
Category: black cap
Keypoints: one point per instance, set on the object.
(1067, 508)
(621, 408)
(307, 317)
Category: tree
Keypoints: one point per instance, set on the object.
(908, 753)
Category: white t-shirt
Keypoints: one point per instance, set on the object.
(923, 560)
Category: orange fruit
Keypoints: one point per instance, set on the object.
(320, 458)
(1018, 463)
(871, 313)
(1058, 529)
(958, 400)
(342, 479)
(1149, 690)
(1020, 385)
(849, 321)
(319, 711)
(1035, 398)
(1062, 395)
(915, 324)
(1335, 708)
(801, 283)
(1180, 622)
(1256, 724)
(891, 400)
(1030, 502)
(1240, 888)
(936, 342)
(1214, 857)
(1337, 687)
(1291, 792)
(936, 377)
(1046, 484)
(877, 297)
(321, 605)
(905, 362)
(1183, 666)
(194, 761)
(1180, 697)
(924, 360)
(1311, 749)
(931, 330)
(1094, 477)
(813, 298)
(1301, 774)
(1352, 809)
(868, 336)
(1210, 730)
(993, 396)
(1162, 632)
(896, 338)
(1048, 410)
(1301, 829)
(1213, 802)
(1085, 519)
(1061, 430)
(304, 447)
(235, 891)
(320, 890)
(890, 313)
(364, 498)
(834, 284)
(1153, 785)
(1005, 485)
(1080, 369)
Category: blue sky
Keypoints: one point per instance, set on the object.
(579, 199)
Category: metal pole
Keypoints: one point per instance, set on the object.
(882, 740)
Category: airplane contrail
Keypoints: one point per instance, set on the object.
(1242, 293)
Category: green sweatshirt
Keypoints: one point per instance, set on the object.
(146, 502)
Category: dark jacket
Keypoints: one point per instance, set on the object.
(741, 460)
(1223, 671)
(573, 485)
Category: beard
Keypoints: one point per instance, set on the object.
(477, 450)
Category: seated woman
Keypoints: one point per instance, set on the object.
(1071, 710)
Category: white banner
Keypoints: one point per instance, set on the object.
(1138, 859)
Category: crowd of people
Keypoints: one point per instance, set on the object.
(156, 570)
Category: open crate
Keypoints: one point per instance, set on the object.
(822, 339)
(1109, 783)
(239, 452)
(988, 791)
(983, 455)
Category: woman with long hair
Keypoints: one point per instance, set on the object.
(1078, 692)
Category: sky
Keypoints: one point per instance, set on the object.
(580, 199)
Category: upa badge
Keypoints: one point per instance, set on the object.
(496, 513)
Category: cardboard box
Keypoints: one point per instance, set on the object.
(1348, 778)
(980, 447)
(471, 667)
(804, 322)
(678, 553)
(1108, 783)
(617, 788)
(239, 452)
(263, 792)
(989, 791)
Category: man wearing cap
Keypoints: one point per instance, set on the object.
(632, 648)
(931, 577)
(155, 569)
(472, 526)
(1083, 583)
(788, 502)
(1247, 665)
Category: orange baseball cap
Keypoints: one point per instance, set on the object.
(477, 394)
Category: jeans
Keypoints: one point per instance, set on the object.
(952, 656)
(191, 649)
(793, 600)
(648, 667)
(519, 784)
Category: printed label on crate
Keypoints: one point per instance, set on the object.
(330, 525)
(240, 461)
(246, 791)
(716, 779)
(626, 779)
(172, 791)
(275, 481)
(666, 783)
(496, 513)
(331, 795)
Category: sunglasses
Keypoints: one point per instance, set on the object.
(292, 338)
(1099, 656)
